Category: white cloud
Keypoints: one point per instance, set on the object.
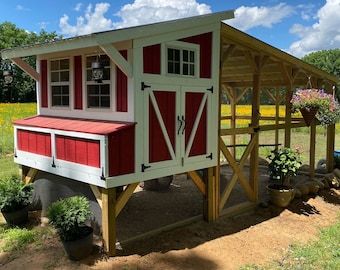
(306, 11)
(21, 8)
(137, 13)
(78, 6)
(324, 34)
(43, 25)
(149, 11)
(94, 20)
(250, 17)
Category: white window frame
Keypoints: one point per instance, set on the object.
(180, 45)
(64, 83)
(110, 82)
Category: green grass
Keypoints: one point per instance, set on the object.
(14, 239)
(324, 253)
(8, 167)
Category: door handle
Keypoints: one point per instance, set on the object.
(185, 124)
(180, 124)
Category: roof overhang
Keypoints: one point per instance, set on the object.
(117, 35)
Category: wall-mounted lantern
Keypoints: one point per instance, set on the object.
(97, 71)
(8, 77)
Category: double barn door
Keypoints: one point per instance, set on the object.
(175, 126)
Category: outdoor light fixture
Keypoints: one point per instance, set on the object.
(8, 76)
(97, 71)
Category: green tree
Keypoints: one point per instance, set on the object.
(327, 60)
(23, 87)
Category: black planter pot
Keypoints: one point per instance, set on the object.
(280, 195)
(80, 248)
(16, 217)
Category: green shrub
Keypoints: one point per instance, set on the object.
(14, 194)
(68, 216)
(284, 163)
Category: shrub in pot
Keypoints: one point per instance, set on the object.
(15, 198)
(284, 163)
(68, 216)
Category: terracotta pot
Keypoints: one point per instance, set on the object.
(80, 248)
(16, 217)
(309, 115)
(280, 195)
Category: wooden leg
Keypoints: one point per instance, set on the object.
(330, 147)
(211, 198)
(28, 174)
(109, 220)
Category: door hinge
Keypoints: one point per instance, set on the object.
(211, 89)
(144, 167)
(210, 156)
(53, 164)
(102, 177)
(143, 86)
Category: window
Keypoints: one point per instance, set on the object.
(181, 61)
(98, 94)
(60, 82)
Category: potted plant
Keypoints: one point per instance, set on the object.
(68, 217)
(15, 198)
(284, 163)
(316, 103)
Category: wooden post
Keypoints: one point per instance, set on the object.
(330, 147)
(233, 120)
(277, 115)
(254, 156)
(211, 207)
(109, 220)
(312, 150)
(288, 114)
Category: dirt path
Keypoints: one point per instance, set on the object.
(256, 238)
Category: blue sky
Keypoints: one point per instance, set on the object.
(298, 27)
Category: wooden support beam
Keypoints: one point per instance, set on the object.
(30, 176)
(117, 58)
(312, 150)
(109, 220)
(254, 156)
(196, 178)
(244, 90)
(277, 116)
(27, 68)
(97, 192)
(233, 120)
(227, 53)
(247, 130)
(330, 147)
(124, 197)
(288, 115)
(211, 199)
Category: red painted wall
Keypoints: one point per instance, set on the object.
(43, 84)
(158, 150)
(77, 150)
(122, 152)
(34, 142)
(192, 104)
(205, 42)
(122, 88)
(152, 59)
(78, 83)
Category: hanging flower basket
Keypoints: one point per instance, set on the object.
(315, 103)
(309, 115)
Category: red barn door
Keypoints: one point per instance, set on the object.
(161, 147)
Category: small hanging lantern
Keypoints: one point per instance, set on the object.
(8, 76)
(97, 71)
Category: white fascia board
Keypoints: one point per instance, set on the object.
(117, 35)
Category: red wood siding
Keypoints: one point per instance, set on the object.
(121, 88)
(192, 104)
(77, 150)
(43, 84)
(34, 142)
(78, 83)
(205, 42)
(158, 150)
(122, 152)
(152, 59)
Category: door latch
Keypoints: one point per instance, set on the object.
(210, 156)
(143, 86)
(144, 167)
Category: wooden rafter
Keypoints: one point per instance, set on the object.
(26, 68)
(227, 53)
(98, 194)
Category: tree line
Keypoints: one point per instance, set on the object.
(22, 89)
